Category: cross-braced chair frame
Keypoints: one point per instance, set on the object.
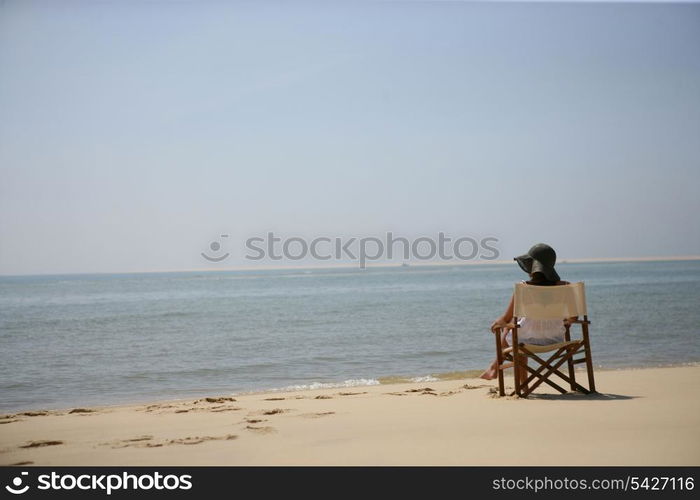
(517, 355)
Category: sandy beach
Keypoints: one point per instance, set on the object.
(641, 417)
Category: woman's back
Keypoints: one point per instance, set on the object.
(541, 331)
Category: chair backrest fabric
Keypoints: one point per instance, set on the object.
(549, 302)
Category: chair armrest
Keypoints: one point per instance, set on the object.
(580, 322)
(509, 326)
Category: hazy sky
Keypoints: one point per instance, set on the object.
(134, 133)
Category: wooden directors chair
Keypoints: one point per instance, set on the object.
(547, 302)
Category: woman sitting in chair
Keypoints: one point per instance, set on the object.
(538, 262)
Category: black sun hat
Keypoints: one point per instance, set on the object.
(539, 259)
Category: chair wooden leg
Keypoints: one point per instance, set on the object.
(499, 362)
(572, 374)
(516, 374)
(516, 357)
(575, 386)
(589, 359)
(570, 362)
(523, 372)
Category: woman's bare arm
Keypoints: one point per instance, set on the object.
(505, 318)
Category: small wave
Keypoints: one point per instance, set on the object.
(433, 377)
(355, 382)
(427, 378)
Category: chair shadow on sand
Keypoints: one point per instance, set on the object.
(577, 396)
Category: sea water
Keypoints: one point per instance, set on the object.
(106, 339)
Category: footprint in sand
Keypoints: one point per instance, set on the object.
(351, 393)
(261, 430)
(323, 396)
(215, 400)
(448, 393)
(40, 444)
(276, 411)
(227, 408)
(510, 394)
(396, 394)
(149, 442)
(137, 439)
(199, 440)
(424, 389)
(151, 408)
(273, 399)
(82, 410)
(318, 414)
(125, 443)
(214, 409)
(10, 421)
(254, 420)
(470, 387)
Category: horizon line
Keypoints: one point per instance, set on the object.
(580, 260)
